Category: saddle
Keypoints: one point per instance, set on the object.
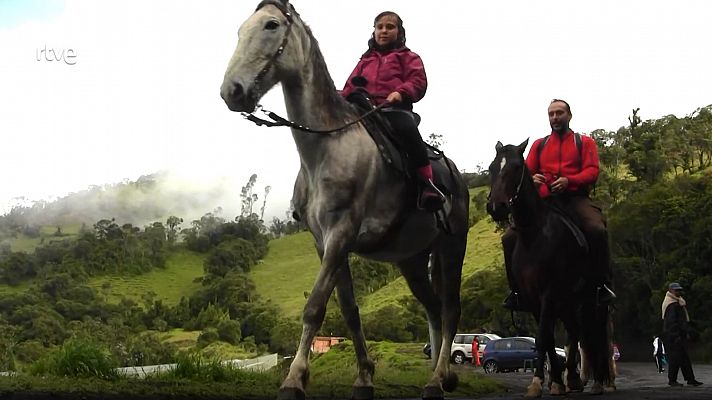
(390, 146)
(569, 222)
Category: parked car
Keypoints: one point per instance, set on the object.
(509, 354)
(461, 351)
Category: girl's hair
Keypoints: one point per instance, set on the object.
(400, 40)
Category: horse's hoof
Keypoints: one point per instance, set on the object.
(574, 385)
(433, 393)
(534, 390)
(450, 382)
(290, 394)
(611, 388)
(557, 389)
(362, 393)
(597, 388)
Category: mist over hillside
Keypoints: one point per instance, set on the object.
(150, 198)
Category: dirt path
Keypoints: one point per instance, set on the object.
(635, 381)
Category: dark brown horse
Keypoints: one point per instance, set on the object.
(548, 265)
(348, 196)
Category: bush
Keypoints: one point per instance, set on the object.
(78, 359)
(29, 351)
(208, 336)
(229, 331)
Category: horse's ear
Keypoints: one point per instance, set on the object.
(522, 147)
(498, 146)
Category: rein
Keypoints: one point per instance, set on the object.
(276, 120)
(519, 187)
(280, 121)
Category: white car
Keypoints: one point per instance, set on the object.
(461, 351)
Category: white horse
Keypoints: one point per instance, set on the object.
(350, 199)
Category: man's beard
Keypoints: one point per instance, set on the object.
(563, 129)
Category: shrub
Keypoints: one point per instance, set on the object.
(208, 336)
(29, 351)
(229, 331)
(79, 359)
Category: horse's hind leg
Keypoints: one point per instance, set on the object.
(447, 276)
(415, 272)
(573, 379)
(363, 387)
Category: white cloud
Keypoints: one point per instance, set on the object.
(143, 95)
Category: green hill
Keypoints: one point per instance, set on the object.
(169, 284)
(288, 271)
(283, 277)
(291, 266)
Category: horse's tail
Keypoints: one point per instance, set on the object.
(596, 340)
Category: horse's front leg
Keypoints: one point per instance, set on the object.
(334, 256)
(363, 387)
(544, 345)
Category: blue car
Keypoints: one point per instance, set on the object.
(509, 354)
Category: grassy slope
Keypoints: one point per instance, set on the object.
(169, 284)
(289, 270)
(27, 244)
(291, 266)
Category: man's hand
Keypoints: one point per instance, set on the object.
(394, 98)
(539, 179)
(560, 185)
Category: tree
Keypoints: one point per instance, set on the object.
(173, 223)
(435, 140)
(248, 197)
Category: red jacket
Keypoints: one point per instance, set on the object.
(399, 70)
(560, 157)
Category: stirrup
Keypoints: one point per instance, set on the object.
(604, 295)
(512, 302)
(430, 197)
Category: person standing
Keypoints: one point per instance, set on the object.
(659, 354)
(476, 351)
(676, 332)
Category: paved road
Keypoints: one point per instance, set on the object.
(635, 381)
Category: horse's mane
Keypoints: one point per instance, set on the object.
(331, 96)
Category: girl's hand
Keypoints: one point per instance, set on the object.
(394, 98)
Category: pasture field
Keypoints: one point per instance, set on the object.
(291, 266)
(169, 284)
(401, 372)
(24, 243)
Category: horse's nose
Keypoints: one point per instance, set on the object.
(497, 210)
(233, 94)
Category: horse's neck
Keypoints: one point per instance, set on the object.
(529, 208)
(312, 100)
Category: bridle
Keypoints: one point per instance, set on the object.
(276, 119)
(519, 187)
(280, 49)
(515, 196)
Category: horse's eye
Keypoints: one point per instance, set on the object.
(271, 25)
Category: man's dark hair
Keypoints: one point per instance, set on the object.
(568, 107)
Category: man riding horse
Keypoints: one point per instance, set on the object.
(564, 167)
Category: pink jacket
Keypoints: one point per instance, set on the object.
(398, 70)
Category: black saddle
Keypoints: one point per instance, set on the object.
(390, 146)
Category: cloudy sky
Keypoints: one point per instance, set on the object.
(136, 87)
